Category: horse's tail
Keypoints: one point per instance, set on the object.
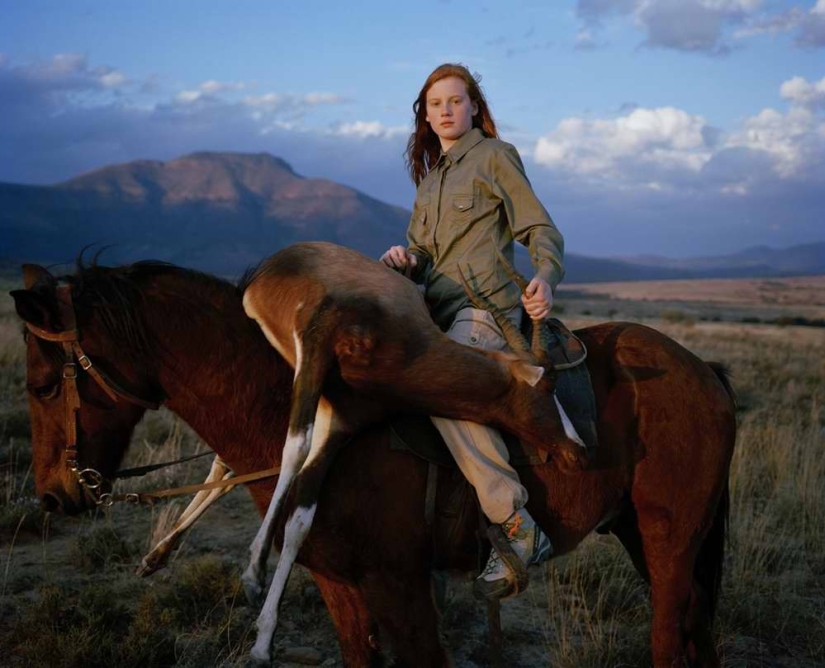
(723, 374)
(710, 561)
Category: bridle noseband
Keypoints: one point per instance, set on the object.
(88, 478)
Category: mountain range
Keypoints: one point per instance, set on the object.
(222, 212)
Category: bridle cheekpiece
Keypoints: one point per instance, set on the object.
(88, 478)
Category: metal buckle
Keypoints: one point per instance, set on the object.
(87, 364)
(70, 371)
(133, 498)
(106, 500)
(90, 478)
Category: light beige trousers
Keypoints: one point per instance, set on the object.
(479, 451)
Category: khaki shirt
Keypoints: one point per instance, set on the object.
(474, 199)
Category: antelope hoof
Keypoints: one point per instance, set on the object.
(252, 590)
(151, 563)
(259, 658)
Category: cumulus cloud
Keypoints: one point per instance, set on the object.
(684, 25)
(638, 146)
(802, 93)
(795, 140)
(671, 150)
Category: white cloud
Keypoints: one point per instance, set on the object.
(685, 25)
(113, 79)
(369, 129)
(802, 93)
(793, 140)
(620, 148)
(188, 96)
(211, 86)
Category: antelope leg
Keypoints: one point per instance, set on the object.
(158, 556)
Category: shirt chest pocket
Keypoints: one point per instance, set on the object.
(462, 207)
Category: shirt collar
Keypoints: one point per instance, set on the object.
(469, 139)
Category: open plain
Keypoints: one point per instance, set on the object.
(68, 596)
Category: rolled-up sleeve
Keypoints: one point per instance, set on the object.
(528, 219)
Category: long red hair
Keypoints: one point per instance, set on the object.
(424, 147)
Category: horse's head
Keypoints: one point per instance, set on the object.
(82, 340)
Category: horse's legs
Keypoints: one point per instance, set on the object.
(328, 439)
(670, 564)
(701, 650)
(404, 606)
(626, 529)
(357, 631)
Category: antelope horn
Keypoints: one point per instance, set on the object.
(515, 339)
(541, 340)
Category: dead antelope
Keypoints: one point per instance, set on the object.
(363, 346)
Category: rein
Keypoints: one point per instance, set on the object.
(90, 479)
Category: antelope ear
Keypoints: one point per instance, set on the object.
(34, 273)
(36, 308)
(528, 373)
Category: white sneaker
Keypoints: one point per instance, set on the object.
(503, 576)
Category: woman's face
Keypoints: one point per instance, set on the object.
(449, 110)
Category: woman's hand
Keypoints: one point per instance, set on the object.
(400, 259)
(537, 299)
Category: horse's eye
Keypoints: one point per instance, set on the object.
(49, 391)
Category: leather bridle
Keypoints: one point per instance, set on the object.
(88, 478)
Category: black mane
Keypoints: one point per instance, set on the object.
(115, 295)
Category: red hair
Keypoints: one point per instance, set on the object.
(424, 147)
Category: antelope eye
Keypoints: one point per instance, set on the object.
(49, 391)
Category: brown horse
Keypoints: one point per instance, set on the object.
(659, 481)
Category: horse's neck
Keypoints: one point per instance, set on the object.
(225, 380)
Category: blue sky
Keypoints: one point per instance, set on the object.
(676, 127)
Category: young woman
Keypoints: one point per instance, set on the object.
(473, 197)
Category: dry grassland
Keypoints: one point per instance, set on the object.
(68, 596)
(726, 299)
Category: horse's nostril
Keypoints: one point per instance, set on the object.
(50, 503)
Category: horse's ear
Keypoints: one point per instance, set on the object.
(37, 308)
(34, 274)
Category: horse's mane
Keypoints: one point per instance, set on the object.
(116, 293)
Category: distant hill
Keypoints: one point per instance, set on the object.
(214, 211)
(222, 212)
(756, 261)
